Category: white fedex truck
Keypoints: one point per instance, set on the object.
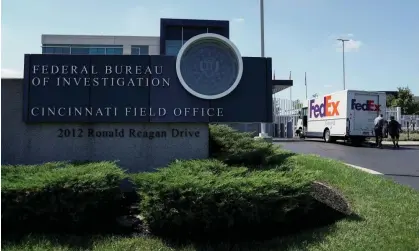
(344, 115)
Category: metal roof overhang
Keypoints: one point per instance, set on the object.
(280, 85)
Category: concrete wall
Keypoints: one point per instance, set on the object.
(253, 128)
(36, 143)
(125, 41)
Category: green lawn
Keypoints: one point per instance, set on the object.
(387, 220)
(404, 137)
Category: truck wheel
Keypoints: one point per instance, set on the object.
(327, 137)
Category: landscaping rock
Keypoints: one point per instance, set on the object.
(330, 197)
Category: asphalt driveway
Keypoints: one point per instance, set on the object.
(402, 164)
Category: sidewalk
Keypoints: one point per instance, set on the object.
(401, 143)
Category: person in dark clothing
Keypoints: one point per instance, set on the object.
(394, 131)
(378, 130)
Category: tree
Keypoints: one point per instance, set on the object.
(298, 104)
(315, 95)
(405, 100)
(390, 99)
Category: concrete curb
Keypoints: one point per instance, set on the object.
(287, 140)
(364, 169)
(386, 143)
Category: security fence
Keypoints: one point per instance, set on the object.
(408, 122)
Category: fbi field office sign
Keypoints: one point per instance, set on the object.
(144, 111)
(208, 81)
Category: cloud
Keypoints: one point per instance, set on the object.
(350, 46)
(328, 86)
(344, 35)
(353, 45)
(238, 20)
(11, 73)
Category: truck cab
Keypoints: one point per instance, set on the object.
(302, 122)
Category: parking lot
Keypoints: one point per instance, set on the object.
(402, 165)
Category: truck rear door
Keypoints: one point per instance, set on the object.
(365, 107)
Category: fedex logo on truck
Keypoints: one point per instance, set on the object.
(368, 106)
(327, 108)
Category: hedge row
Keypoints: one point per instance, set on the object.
(241, 190)
(236, 148)
(60, 196)
(208, 198)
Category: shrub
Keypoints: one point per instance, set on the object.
(60, 196)
(238, 148)
(207, 198)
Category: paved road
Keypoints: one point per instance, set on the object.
(402, 165)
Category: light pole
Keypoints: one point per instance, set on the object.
(343, 59)
(262, 133)
(262, 29)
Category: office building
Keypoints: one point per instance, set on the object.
(100, 45)
(173, 34)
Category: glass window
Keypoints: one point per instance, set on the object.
(144, 50)
(189, 32)
(79, 50)
(55, 50)
(135, 51)
(93, 51)
(97, 51)
(101, 51)
(65, 50)
(83, 49)
(118, 51)
(113, 51)
(139, 50)
(58, 50)
(172, 51)
(173, 47)
(110, 51)
(174, 43)
(47, 50)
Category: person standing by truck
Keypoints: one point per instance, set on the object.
(378, 130)
(394, 131)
